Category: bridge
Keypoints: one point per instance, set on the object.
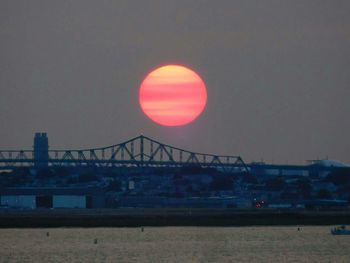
(140, 151)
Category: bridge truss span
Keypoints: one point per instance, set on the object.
(138, 151)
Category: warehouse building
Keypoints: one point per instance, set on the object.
(52, 198)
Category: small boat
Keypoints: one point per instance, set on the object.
(340, 230)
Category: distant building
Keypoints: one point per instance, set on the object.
(328, 163)
(52, 198)
(41, 150)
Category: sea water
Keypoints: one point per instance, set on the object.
(174, 244)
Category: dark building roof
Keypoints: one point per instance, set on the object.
(52, 191)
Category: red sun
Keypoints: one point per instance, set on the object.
(172, 95)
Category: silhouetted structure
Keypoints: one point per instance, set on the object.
(56, 197)
(140, 151)
(41, 150)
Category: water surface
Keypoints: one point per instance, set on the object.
(174, 244)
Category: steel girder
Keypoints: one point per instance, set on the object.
(138, 151)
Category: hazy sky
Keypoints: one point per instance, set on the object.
(277, 74)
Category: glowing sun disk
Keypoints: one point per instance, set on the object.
(172, 95)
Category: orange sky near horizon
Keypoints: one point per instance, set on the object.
(172, 95)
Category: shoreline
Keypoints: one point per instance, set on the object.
(129, 217)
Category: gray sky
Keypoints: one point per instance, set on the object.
(277, 74)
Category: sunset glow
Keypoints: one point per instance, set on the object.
(172, 95)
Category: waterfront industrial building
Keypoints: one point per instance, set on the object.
(52, 198)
